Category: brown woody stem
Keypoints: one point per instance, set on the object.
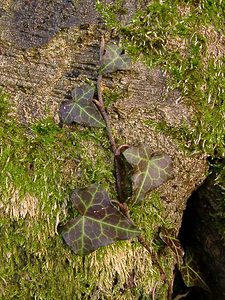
(117, 158)
(117, 152)
(99, 80)
(100, 104)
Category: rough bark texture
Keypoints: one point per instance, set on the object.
(44, 53)
(40, 77)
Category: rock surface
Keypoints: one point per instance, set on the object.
(31, 24)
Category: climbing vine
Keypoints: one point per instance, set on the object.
(100, 222)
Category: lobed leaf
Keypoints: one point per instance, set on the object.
(151, 170)
(168, 236)
(99, 223)
(114, 60)
(81, 108)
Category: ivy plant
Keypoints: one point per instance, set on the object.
(81, 108)
(114, 60)
(151, 169)
(100, 222)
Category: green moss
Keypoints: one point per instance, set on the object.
(111, 96)
(183, 39)
(151, 217)
(177, 36)
(39, 168)
(40, 165)
(111, 12)
(181, 134)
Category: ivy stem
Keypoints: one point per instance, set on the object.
(100, 103)
(101, 106)
(99, 80)
(108, 126)
(123, 208)
(117, 156)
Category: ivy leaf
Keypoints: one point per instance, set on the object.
(168, 236)
(99, 223)
(151, 170)
(191, 273)
(81, 109)
(114, 60)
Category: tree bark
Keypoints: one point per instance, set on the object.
(44, 54)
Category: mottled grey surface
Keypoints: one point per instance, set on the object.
(33, 23)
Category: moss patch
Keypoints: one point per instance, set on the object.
(40, 165)
(186, 39)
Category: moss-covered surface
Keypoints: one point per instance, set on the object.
(42, 163)
(39, 167)
(185, 39)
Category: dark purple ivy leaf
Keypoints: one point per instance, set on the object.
(114, 60)
(81, 108)
(99, 223)
(151, 170)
